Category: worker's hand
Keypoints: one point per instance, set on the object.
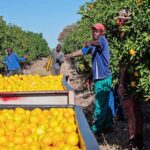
(88, 83)
(68, 56)
(87, 44)
(25, 56)
(121, 90)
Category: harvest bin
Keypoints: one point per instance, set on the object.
(87, 139)
(57, 97)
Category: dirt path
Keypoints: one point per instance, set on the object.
(37, 67)
(112, 141)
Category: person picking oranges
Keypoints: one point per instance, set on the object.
(101, 75)
(12, 62)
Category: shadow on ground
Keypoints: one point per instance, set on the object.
(117, 140)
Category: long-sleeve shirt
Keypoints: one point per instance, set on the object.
(100, 59)
(12, 61)
(58, 59)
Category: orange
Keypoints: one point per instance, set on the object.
(50, 148)
(18, 139)
(75, 148)
(66, 114)
(28, 139)
(71, 119)
(36, 111)
(19, 110)
(133, 83)
(3, 140)
(58, 129)
(32, 127)
(54, 111)
(34, 146)
(10, 137)
(34, 137)
(59, 143)
(41, 129)
(71, 111)
(11, 127)
(46, 148)
(53, 123)
(10, 145)
(18, 118)
(27, 112)
(66, 147)
(25, 146)
(2, 118)
(26, 132)
(3, 147)
(17, 147)
(72, 139)
(46, 140)
(34, 119)
(2, 131)
(45, 112)
(136, 74)
(132, 52)
(68, 128)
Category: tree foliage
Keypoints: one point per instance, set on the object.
(65, 32)
(135, 37)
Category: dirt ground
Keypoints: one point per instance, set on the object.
(116, 140)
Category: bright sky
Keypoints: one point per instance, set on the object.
(48, 17)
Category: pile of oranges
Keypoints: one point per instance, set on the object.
(37, 129)
(30, 83)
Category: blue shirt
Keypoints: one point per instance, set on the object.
(12, 61)
(100, 59)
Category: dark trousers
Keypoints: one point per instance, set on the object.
(134, 115)
(13, 72)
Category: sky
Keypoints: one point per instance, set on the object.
(48, 17)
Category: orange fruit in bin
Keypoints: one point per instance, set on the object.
(38, 129)
(72, 139)
(68, 128)
(30, 83)
(46, 140)
(34, 146)
(2, 131)
(66, 147)
(3, 140)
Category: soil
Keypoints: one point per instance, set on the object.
(116, 140)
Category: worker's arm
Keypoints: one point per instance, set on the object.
(96, 43)
(81, 52)
(93, 43)
(4, 61)
(74, 54)
(20, 58)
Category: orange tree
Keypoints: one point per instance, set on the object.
(129, 42)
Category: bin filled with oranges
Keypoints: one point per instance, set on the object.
(38, 129)
(25, 83)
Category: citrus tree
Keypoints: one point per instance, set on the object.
(128, 42)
